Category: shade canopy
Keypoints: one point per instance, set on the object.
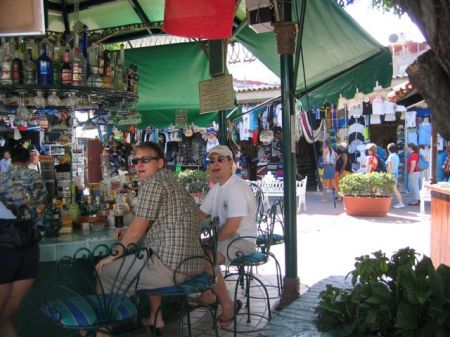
(337, 57)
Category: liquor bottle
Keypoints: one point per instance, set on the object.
(76, 67)
(17, 67)
(120, 81)
(85, 68)
(106, 70)
(31, 44)
(30, 68)
(73, 207)
(66, 69)
(44, 67)
(56, 215)
(66, 218)
(57, 62)
(6, 75)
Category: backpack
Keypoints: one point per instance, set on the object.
(422, 164)
(381, 166)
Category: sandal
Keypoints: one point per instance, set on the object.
(151, 329)
(192, 305)
(225, 324)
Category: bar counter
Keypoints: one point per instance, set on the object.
(440, 223)
(53, 249)
(30, 322)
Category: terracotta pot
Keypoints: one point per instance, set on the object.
(364, 206)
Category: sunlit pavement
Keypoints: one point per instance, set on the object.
(327, 243)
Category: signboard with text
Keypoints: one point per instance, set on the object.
(216, 94)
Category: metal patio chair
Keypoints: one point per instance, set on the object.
(81, 302)
(184, 292)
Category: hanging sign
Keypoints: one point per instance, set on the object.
(216, 94)
(181, 118)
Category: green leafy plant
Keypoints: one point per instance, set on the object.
(375, 184)
(194, 181)
(401, 296)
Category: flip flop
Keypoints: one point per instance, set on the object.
(195, 305)
(226, 324)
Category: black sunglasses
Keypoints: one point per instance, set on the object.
(220, 159)
(144, 160)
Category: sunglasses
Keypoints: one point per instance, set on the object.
(144, 160)
(220, 159)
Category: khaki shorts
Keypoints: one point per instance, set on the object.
(237, 249)
(154, 275)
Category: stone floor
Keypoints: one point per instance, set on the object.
(328, 241)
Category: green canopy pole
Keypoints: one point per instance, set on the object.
(222, 127)
(286, 31)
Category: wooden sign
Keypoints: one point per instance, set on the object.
(216, 94)
(21, 17)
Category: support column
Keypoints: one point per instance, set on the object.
(433, 154)
(285, 32)
(222, 127)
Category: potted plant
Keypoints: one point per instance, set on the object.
(367, 194)
(401, 296)
(196, 182)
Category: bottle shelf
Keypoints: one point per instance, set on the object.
(106, 96)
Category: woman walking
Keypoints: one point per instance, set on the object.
(392, 167)
(329, 162)
(414, 173)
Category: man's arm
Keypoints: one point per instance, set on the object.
(136, 230)
(229, 228)
(202, 215)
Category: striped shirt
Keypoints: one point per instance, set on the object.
(174, 233)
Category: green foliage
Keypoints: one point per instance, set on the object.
(385, 5)
(401, 296)
(375, 184)
(193, 180)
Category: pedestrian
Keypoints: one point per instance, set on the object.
(167, 221)
(392, 164)
(34, 162)
(232, 200)
(446, 166)
(328, 162)
(343, 163)
(372, 158)
(5, 163)
(22, 198)
(414, 173)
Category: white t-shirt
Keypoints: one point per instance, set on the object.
(232, 199)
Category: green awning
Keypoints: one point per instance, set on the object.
(169, 79)
(335, 48)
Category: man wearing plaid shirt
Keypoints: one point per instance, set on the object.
(166, 216)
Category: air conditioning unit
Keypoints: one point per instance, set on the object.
(260, 15)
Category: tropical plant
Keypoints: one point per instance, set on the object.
(400, 296)
(195, 181)
(375, 184)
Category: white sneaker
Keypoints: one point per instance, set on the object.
(399, 206)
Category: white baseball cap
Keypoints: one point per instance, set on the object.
(222, 150)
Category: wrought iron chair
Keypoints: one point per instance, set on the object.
(266, 229)
(245, 276)
(81, 302)
(260, 200)
(184, 292)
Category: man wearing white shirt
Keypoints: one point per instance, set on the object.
(5, 163)
(232, 200)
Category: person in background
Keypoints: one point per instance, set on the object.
(329, 162)
(34, 163)
(166, 217)
(5, 162)
(372, 158)
(446, 166)
(392, 163)
(414, 173)
(343, 163)
(23, 195)
(232, 200)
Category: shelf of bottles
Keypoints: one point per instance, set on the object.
(28, 67)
